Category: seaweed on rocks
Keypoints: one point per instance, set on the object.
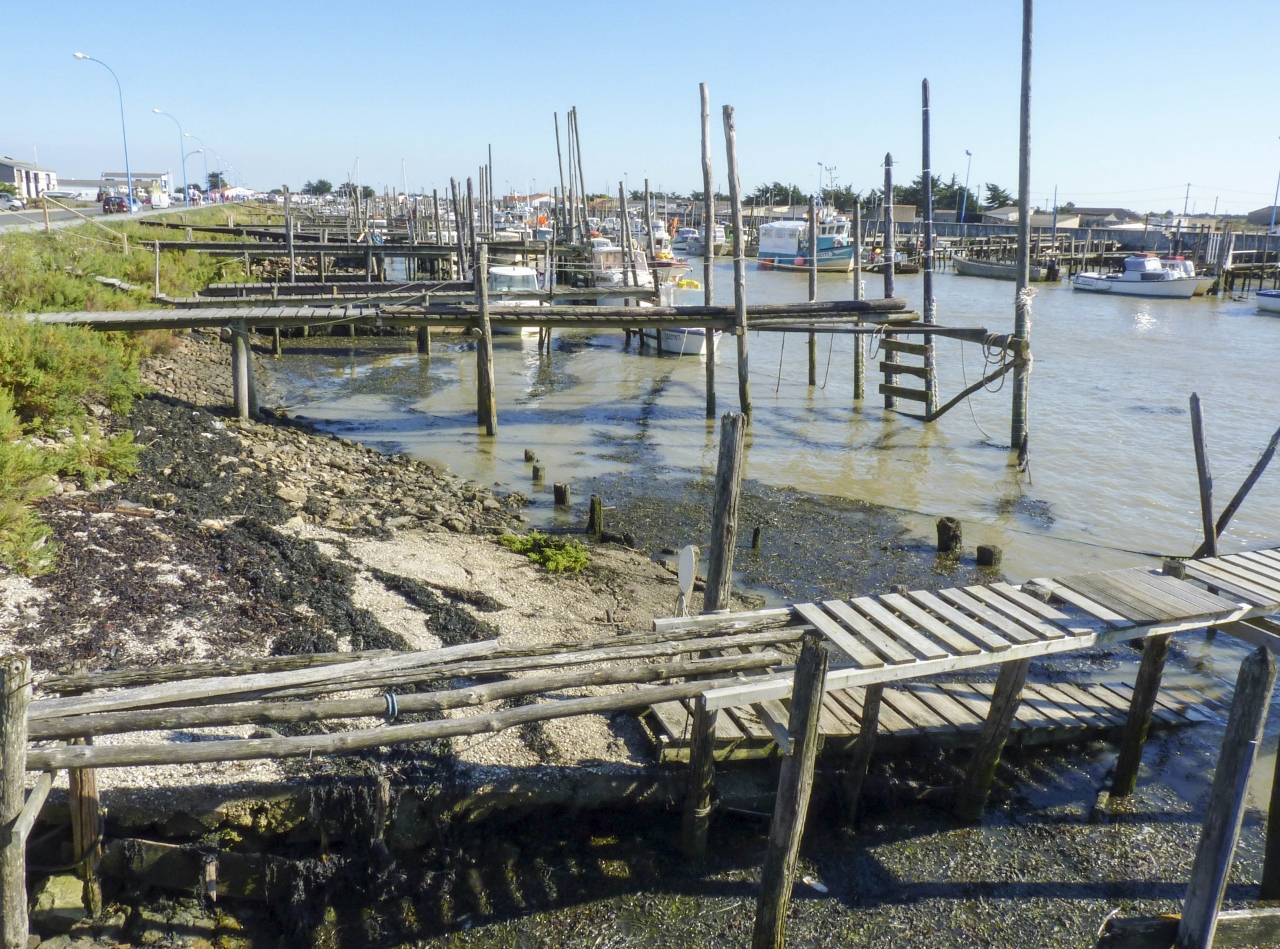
(452, 624)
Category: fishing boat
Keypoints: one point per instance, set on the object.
(1184, 266)
(694, 244)
(681, 241)
(504, 285)
(1269, 300)
(1143, 276)
(995, 269)
(784, 245)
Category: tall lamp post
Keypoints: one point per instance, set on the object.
(204, 150)
(123, 134)
(186, 191)
(964, 195)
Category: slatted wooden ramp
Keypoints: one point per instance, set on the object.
(947, 714)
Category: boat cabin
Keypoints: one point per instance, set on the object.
(512, 280)
(783, 237)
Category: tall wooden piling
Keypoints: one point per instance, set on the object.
(582, 178)
(971, 799)
(648, 229)
(739, 263)
(459, 233)
(1204, 478)
(813, 286)
(486, 396)
(709, 234)
(288, 235)
(1155, 651)
(470, 212)
(792, 803)
(889, 260)
(856, 770)
(15, 699)
(930, 304)
(859, 346)
(244, 392)
(559, 160)
(1222, 818)
(1022, 306)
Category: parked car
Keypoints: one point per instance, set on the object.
(9, 202)
(118, 204)
(159, 199)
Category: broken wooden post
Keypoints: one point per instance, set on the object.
(856, 772)
(563, 493)
(702, 775)
(1210, 545)
(792, 803)
(1237, 499)
(724, 513)
(15, 698)
(242, 387)
(739, 265)
(486, 397)
(972, 797)
(1222, 818)
(950, 537)
(708, 253)
(424, 341)
(1155, 650)
(595, 517)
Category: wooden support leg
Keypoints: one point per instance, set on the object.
(240, 374)
(1155, 650)
(724, 514)
(702, 773)
(860, 760)
(859, 369)
(813, 359)
(15, 698)
(424, 341)
(595, 517)
(1271, 861)
(972, 798)
(792, 803)
(1222, 818)
(276, 346)
(86, 828)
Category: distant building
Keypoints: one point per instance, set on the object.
(1009, 215)
(1105, 217)
(31, 180)
(1262, 216)
(144, 182)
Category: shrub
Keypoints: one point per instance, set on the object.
(555, 554)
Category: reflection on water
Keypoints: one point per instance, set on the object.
(1111, 459)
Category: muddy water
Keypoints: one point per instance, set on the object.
(1112, 471)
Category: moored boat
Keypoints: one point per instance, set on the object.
(784, 245)
(504, 283)
(994, 269)
(1143, 276)
(682, 341)
(1184, 266)
(1269, 300)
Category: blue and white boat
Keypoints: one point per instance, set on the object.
(785, 245)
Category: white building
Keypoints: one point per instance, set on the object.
(31, 180)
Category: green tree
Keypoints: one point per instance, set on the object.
(777, 193)
(319, 187)
(842, 199)
(997, 197)
(216, 181)
(7, 187)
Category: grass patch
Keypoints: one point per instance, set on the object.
(554, 554)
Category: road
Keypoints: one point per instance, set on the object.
(33, 218)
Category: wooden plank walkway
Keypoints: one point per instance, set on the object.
(946, 714)
(892, 638)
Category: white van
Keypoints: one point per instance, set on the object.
(159, 199)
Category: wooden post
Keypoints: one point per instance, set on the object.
(813, 286)
(157, 281)
(44, 206)
(470, 212)
(241, 370)
(856, 772)
(288, 235)
(1022, 305)
(1155, 650)
(972, 796)
(15, 698)
(276, 347)
(562, 492)
(930, 304)
(702, 773)
(559, 165)
(1222, 818)
(709, 233)
(648, 229)
(859, 347)
(86, 825)
(724, 515)
(739, 264)
(424, 342)
(1210, 545)
(487, 402)
(595, 517)
(890, 254)
(792, 803)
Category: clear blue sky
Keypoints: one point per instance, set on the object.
(1131, 101)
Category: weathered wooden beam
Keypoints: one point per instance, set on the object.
(696, 821)
(724, 513)
(739, 265)
(1155, 650)
(1205, 479)
(708, 241)
(856, 772)
(15, 699)
(971, 799)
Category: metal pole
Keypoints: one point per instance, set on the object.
(1022, 306)
(124, 134)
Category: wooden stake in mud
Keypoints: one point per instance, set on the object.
(813, 286)
(15, 698)
(1022, 305)
(1222, 818)
(1155, 650)
(708, 236)
(856, 772)
(792, 804)
(243, 389)
(739, 264)
(972, 796)
(86, 823)
(1210, 545)
(157, 283)
(859, 346)
(288, 235)
(648, 223)
(424, 342)
(930, 305)
(595, 517)
(702, 775)
(888, 260)
(487, 402)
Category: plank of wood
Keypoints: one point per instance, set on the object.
(860, 654)
(1196, 602)
(1014, 612)
(1084, 604)
(970, 627)
(884, 645)
(749, 723)
(1191, 704)
(1105, 696)
(898, 346)
(1117, 598)
(902, 392)
(1258, 563)
(1072, 706)
(899, 630)
(1028, 713)
(1103, 712)
(918, 713)
(846, 724)
(674, 719)
(891, 722)
(1239, 590)
(850, 700)
(975, 702)
(1029, 603)
(1270, 553)
(1031, 695)
(1244, 572)
(896, 368)
(775, 716)
(1008, 629)
(958, 714)
(939, 630)
(1163, 710)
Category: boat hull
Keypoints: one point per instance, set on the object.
(1269, 301)
(830, 260)
(680, 341)
(993, 269)
(1182, 289)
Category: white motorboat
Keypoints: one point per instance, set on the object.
(682, 341)
(718, 239)
(682, 238)
(510, 286)
(607, 268)
(1143, 276)
(1269, 300)
(1184, 266)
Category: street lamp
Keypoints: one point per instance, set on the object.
(186, 191)
(123, 134)
(206, 160)
(820, 182)
(964, 195)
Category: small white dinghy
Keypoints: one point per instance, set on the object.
(1269, 301)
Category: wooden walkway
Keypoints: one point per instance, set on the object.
(922, 634)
